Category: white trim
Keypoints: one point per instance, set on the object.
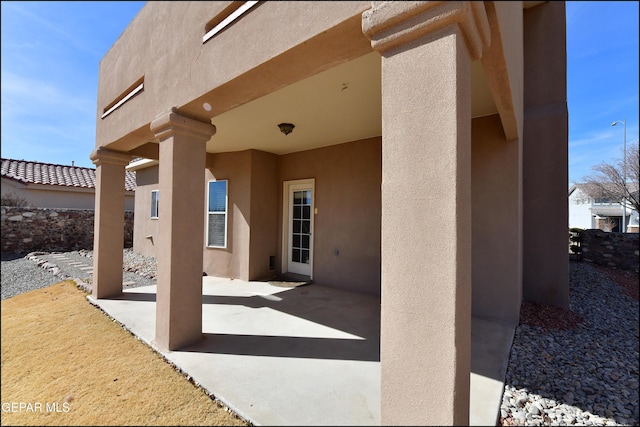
(55, 187)
(123, 100)
(228, 20)
(141, 164)
(286, 187)
(226, 215)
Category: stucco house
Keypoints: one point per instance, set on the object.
(361, 145)
(46, 185)
(587, 212)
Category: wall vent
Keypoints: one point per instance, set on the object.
(226, 17)
(125, 96)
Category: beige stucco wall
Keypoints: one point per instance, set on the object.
(144, 225)
(440, 198)
(264, 214)
(545, 157)
(509, 17)
(496, 222)
(253, 208)
(164, 44)
(49, 196)
(347, 225)
(232, 261)
(496, 179)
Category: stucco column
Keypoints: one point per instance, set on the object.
(108, 227)
(545, 162)
(180, 228)
(425, 337)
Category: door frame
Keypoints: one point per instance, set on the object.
(286, 187)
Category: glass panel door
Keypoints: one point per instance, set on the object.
(301, 230)
(300, 226)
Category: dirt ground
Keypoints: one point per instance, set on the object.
(64, 362)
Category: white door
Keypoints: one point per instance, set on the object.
(299, 226)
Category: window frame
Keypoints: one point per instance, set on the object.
(225, 213)
(155, 204)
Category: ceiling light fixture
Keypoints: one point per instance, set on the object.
(286, 128)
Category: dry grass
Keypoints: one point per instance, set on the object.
(75, 366)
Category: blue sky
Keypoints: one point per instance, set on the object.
(602, 81)
(51, 52)
(50, 57)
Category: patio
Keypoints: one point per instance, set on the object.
(305, 355)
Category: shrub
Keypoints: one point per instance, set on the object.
(575, 240)
(12, 199)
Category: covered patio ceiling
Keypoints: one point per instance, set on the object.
(338, 105)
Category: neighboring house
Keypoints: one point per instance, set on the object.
(46, 185)
(361, 145)
(587, 212)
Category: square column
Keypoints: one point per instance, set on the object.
(425, 342)
(181, 228)
(546, 157)
(108, 234)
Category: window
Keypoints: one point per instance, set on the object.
(604, 201)
(154, 204)
(217, 215)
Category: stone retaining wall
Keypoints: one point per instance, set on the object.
(617, 250)
(27, 230)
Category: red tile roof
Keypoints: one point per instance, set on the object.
(49, 174)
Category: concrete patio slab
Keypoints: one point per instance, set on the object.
(304, 355)
(490, 347)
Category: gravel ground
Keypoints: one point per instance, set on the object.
(577, 367)
(20, 275)
(41, 269)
